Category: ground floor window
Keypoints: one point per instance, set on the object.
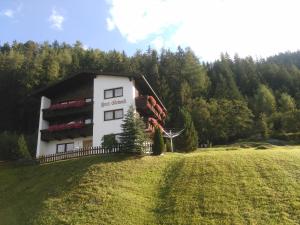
(64, 147)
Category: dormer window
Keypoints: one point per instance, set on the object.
(113, 93)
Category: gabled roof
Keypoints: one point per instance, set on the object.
(88, 77)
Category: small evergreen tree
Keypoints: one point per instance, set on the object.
(188, 140)
(158, 142)
(23, 152)
(133, 136)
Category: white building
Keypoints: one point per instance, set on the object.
(79, 110)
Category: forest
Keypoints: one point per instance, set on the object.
(227, 100)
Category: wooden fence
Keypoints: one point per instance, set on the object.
(84, 152)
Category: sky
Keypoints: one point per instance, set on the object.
(259, 28)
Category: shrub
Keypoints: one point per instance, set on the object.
(109, 141)
(13, 147)
(168, 145)
(158, 142)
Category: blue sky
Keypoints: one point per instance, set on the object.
(82, 20)
(248, 27)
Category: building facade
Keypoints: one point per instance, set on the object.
(80, 110)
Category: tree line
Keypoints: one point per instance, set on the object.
(223, 101)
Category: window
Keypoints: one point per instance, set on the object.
(108, 94)
(69, 147)
(113, 93)
(113, 114)
(108, 115)
(60, 148)
(118, 92)
(119, 114)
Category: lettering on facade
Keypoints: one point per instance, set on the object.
(113, 102)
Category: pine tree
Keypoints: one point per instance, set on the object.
(188, 140)
(158, 142)
(133, 136)
(23, 152)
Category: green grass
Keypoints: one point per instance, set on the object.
(228, 185)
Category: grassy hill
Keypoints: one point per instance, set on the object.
(218, 186)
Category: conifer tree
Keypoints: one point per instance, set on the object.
(23, 152)
(188, 140)
(133, 136)
(158, 142)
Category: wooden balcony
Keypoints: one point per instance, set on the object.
(146, 108)
(54, 114)
(85, 131)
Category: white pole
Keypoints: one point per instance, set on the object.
(171, 136)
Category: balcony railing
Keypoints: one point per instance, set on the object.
(55, 112)
(66, 132)
(147, 105)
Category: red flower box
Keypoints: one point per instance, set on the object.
(71, 125)
(68, 104)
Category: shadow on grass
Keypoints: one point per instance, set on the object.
(24, 189)
(165, 208)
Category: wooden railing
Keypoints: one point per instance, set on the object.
(78, 153)
(85, 152)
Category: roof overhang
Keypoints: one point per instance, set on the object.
(88, 77)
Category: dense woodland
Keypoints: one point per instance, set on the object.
(226, 100)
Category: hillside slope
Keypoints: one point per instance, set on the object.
(206, 187)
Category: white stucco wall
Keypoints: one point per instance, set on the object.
(51, 145)
(102, 83)
(43, 124)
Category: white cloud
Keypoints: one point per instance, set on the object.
(12, 12)
(9, 13)
(56, 20)
(110, 24)
(250, 27)
(85, 47)
(158, 42)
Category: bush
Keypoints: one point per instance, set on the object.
(109, 141)
(168, 145)
(158, 142)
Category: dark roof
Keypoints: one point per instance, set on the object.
(75, 79)
(88, 76)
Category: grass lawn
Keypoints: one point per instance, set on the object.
(216, 186)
